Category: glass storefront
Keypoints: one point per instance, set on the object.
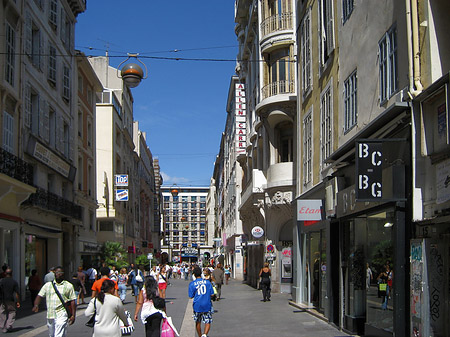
(316, 269)
(35, 255)
(367, 256)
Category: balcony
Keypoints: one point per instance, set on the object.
(278, 88)
(52, 202)
(276, 23)
(280, 174)
(15, 167)
(77, 6)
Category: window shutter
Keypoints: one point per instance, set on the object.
(41, 51)
(71, 143)
(28, 34)
(46, 122)
(59, 133)
(27, 105)
(41, 132)
(63, 25)
(330, 26)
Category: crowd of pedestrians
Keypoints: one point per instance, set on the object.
(107, 288)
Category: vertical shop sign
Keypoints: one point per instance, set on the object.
(241, 119)
(369, 170)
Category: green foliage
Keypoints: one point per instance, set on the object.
(142, 260)
(114, 254)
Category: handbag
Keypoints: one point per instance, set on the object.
(91, 321)
(127, 330)
(66, 305)
(139, 277)
(167, 328)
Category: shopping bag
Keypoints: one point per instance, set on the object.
(127, 330)
(167, 328)
(382, 287)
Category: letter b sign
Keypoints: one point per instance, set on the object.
(369, 170)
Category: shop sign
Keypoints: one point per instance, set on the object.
(121, 179)
(369, 170)
(50, 159)
(309, 210)
(257, 232)
(121, 195)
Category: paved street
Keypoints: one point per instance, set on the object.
(239, 313)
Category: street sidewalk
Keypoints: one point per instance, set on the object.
(241, 312)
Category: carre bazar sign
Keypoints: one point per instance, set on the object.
(309, 210)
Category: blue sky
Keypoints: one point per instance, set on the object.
(182, 104)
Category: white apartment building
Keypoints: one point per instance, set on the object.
(38, 129)
(118, 212)
(266, 32)
(184, 224)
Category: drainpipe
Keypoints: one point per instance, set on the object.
(412, 27)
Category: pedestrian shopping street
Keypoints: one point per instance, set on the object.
(240, 312)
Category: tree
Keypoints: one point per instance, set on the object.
(114, 254)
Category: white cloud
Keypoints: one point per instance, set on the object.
(173, 180)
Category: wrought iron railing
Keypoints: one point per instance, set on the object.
(55, 203)
(16, 168)
(276, 88)
(276, 23)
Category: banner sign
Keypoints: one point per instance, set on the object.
(240, 115)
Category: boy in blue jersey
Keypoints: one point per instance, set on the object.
(201, 291)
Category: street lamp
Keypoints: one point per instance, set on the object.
(132, 73)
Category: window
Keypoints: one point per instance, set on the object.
(53, 14)
(33, 42)
(387, 53)
(52, 65)
(65, 29)
(80, 173)
(279, 73)
(326, 123)
(10, 54)
(80, 123)
(305, 31)
(307, 148)
(66, 83)
(8, 132)
(89, 134)
(347, 9)
(326, 30)
(350, 102)
(285, 150)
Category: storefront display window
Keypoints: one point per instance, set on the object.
(368, 255)
(316, 269)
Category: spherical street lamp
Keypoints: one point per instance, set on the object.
(132, 73)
